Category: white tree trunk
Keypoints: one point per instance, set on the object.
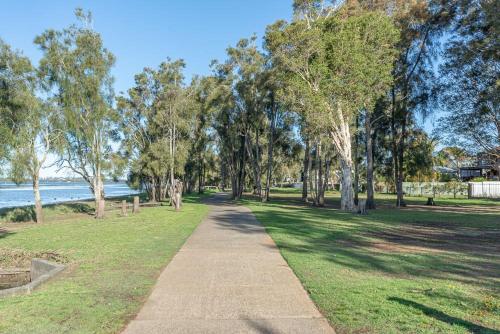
(341, 136)
(38, 199)
(99, 197)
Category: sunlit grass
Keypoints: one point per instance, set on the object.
(112, 266)
(393, 271)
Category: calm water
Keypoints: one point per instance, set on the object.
(54, 192)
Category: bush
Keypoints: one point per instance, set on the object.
(478, 179)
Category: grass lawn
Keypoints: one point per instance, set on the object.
(413, 270)
(112, 266)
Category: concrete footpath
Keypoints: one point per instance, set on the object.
(229, 277)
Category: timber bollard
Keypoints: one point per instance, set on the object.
(124, 208)
(135, 209)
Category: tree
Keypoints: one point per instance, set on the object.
(12, 66)
(470, 73)
(243, 97)
(30, 129)
(77, 66)
(421, 24)
(419, 161)
(334, 74)
(200, 153)
(155, 120)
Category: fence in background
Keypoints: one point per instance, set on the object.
(488, 189)
(435, 189)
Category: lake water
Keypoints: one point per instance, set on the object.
(55, 192)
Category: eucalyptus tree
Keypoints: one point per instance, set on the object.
(249, 73)
(331, 67)
(7, 105)
(227, 126)
(421, 24)
(200, 155)
(243, 97)
(29, 121)
(77, 67)
(470, 76)
(154, 121)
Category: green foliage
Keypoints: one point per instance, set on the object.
(478, 179)
(419, 160)
(470, 73)
(18, 103)
(77, 68)
(155, 120)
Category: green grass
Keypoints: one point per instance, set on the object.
(112, 266)
(393, 271)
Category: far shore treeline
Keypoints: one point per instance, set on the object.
(332, 97)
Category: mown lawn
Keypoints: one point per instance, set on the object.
(112, 266)
(393, 271)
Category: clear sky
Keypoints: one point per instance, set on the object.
(144, 33)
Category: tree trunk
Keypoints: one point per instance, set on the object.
(254, 160)
(346, 199)
(38, 199)
(99, 196)
(394, 140)
(356, 165)
(370, 200)
(306, 165)
(153, 190)
(200, 176)
(311, 175)
(400, 172)
(241, 180)
(270, 152)
(320, 193)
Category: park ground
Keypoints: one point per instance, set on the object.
(112, 265)
(412, 270)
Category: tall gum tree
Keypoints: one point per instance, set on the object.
(29, 125)
(470, 78)
(331, 67)
(77, 67)
(154, 119)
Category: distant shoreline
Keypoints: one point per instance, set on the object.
(66, 202)
(55, 192)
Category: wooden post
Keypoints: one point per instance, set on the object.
(136, 205)
(124, 208)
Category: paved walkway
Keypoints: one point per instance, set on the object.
(229, 277)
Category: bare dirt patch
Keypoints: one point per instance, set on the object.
(455, 209)
(437, 237)
(19, 258)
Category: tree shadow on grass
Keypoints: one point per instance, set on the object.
(436, 314)
(380, 242)
(5, 233)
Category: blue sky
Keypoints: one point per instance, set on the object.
(144, 33)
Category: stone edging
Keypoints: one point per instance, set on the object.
(41, 271)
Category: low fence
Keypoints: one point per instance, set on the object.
(435, 189)
(488, 189)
